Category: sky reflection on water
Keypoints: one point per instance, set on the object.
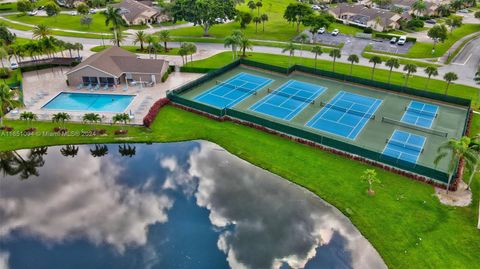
(178, 205)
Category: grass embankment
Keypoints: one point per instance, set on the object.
(400, 60)
(66, 21)
(459, 48)
(424, 49)
(417, 82)
(404, 221)
(277, 28)
(22, 27)
(136, 49)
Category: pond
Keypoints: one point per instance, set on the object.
(176, 205)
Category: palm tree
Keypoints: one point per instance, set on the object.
(112, 15)
(121, 118)
(375, 60)
(245, 44)
(78, 46)
(259, 4)
(41, 31)
(140, 37)
(474, 166)
(263, 18)
(232, 41)
(29, 167)
(430, 71)
(127, 150)
(449, 77)
(419, 7)
(61, 117)
(91, 118)
(251, 5)
(8, 164)
(317, 50)
(256, 20)
(69, 151)
(9, 99)
(392, 63)
(410, 69)
(3, 55)
(291, 51)
(335, 53)
(150, 40)
(118, 38)
(48, 45)
(29, 117)
(164, 37)
(99, 151)
(352, 58)
(303, 38)
(457, 149)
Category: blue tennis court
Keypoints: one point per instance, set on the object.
(345, 115)
(288, 100)
(420, 114)
(230, 92)
(404, 146)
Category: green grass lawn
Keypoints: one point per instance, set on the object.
(404, 221)
(417, 82)
(55, 32)
(424, 49)
(277, 28)
(65, 21)
(402, 61)
(136, 49)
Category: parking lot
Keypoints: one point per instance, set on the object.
(384, 45)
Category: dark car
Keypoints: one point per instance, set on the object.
(431, 21)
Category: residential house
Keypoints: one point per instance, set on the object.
(115, 66)
(360, 15)
(406, 6)
(141, 12)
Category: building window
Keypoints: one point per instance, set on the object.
(90, 81)
(107, 81)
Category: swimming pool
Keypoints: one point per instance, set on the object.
(93, 102)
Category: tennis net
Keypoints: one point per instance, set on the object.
(235, 87)
(405, 145)
(310, 100)
(349, 111)
(415, 127)
(421, 112)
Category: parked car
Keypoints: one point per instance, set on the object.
(402, 40)
(32, 13)
(41, 8)
(335, 32)
(92, 11)
(393, 40)
(73, 13)
(321, 30)
(13, 65)
(220, 20)
(464, 11)
(323, 7)
(315, 7)
(431, 21)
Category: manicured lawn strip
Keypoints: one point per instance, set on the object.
(136, 49)
(424, 49)
(277, 28)
(459, 48)
(56, 32)
(404, 221)
(417, 82)
(65, 21)
(402, 61)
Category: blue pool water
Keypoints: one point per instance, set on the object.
(90, 102)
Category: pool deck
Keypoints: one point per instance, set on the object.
(39, 88)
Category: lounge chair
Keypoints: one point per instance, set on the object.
(97, 87)
(105, 88)
(126, 87)
(80, 86)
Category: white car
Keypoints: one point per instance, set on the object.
(315, 7)
(321, 30)
(402, 40)
(32, 13)
(92, 11)
(335, 32)
(13, 65)
(73, 13)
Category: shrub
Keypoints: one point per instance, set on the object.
(152, 113)
(415, 23)
(121, 132)
(4, 72)
(368, 30)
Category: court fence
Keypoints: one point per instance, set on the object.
(429, 174)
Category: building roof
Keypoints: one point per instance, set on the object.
(386, 16)
(132, 9)
(117, 61)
